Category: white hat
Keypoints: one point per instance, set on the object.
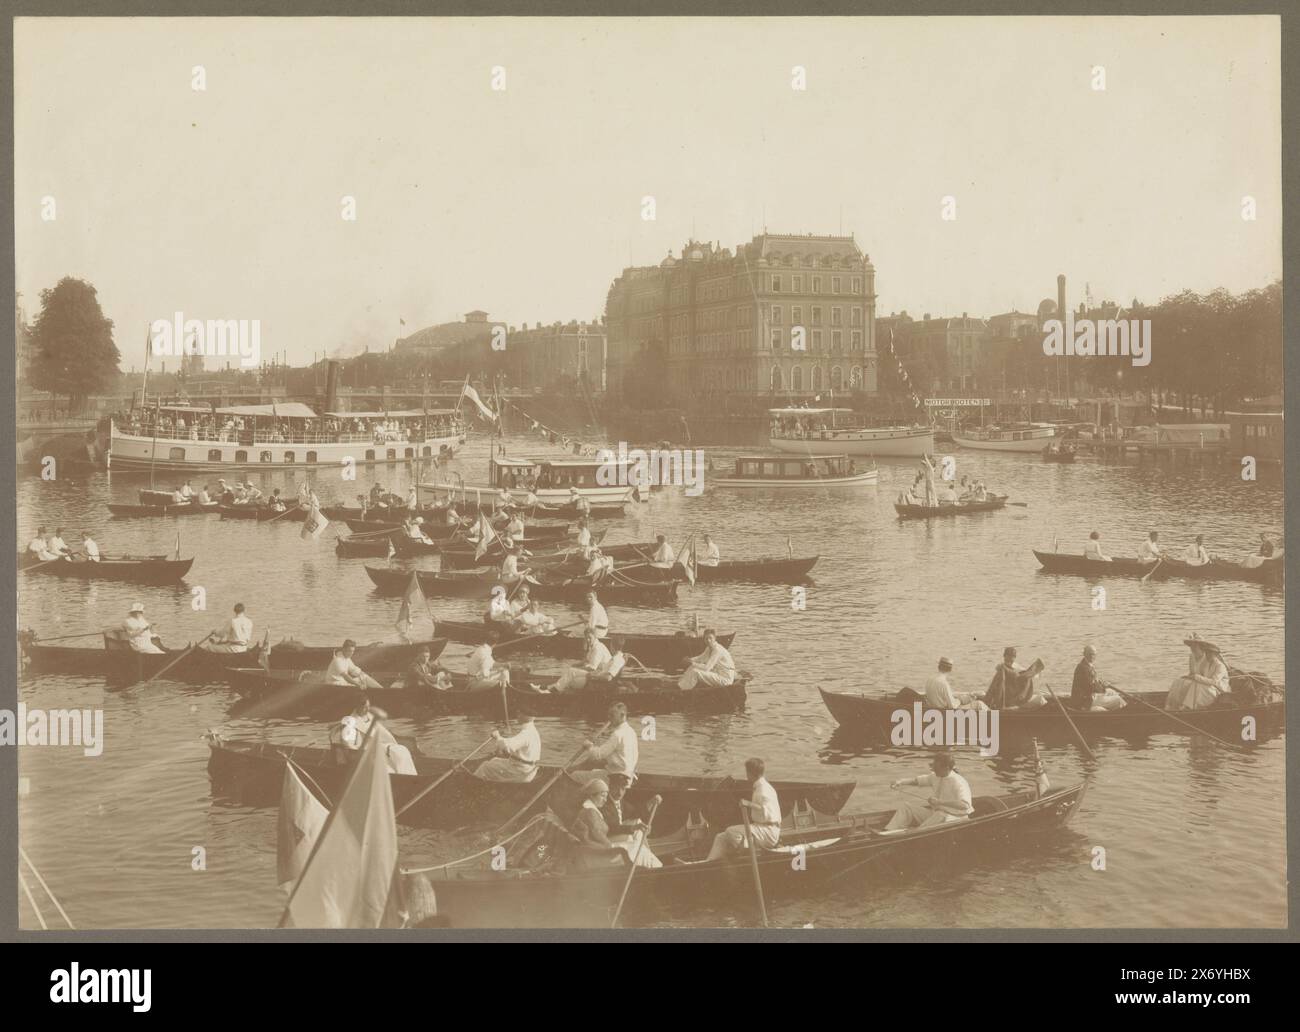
(136, 607)
(419, 519)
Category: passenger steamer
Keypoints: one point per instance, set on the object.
(804, 431)
(280, 436)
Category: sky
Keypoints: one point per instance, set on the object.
(527, 201)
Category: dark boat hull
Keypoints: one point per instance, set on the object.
(263, 514)
(439, 532)
(755, 571)
(927, 512)
(394, 582)
(290, 655)
(1269, 572)
(253, 772)
(124, 665)
(558, 554)
(131, 511)
(662, 651)
(873, 715)
(135, 571)
(395, 514)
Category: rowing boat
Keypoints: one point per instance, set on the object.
(1269, 571)
(927, 512)
(121, 664)
(152, 569)
(397, 513)
(542, 884)
(439, 532)
(286, 694)
(293, 655)
(543, 586)
(663, 651)
(263, 513)
(254, 773)
(564, 554)
(171, 509)
(874, 715)
(769, 570)
(382, 545)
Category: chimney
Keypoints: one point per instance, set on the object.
(331, 386)
(1060, 297)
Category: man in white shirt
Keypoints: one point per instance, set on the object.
(764, 817)
(711, 556)
(178, 498)
(504, 498)
(517, 756)
(57, 546)
(533, 621)
(412, 499)
(597, 618)
(712, 668)
(596, 658)
(343, 671)
(187, 491)
(484, 674)
(204, 497)
(137, 631)
(940, 695)
(1196, 555)
(663, 557)
(1092, 550)
(238, 635)
(608, 673)
(619, 753)
(950, 798)
(39, 547)
(515, 528)
(510, 566)
(1149, 550)
(584, 537)
(89, 547)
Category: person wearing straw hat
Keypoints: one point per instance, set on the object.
(1206, 678)
(138, 631)
(517, 756)
(950, 798)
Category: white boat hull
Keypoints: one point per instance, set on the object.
(869, 477)
(1033, 445)
(546, 495)
(899, 444)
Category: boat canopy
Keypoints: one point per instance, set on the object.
(805, 411)
(200, 409)
(790, 458)
(285, 410)
(393, 414)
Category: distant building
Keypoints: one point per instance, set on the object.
(941, 354)
(558, 356)
(784, 315)
(433, 340)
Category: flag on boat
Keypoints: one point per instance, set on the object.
(392, 549)
(350, 879)
(486, 535)
(301, 818)
(469, 392)
(688, 562)
(410, 599)
(315, 522)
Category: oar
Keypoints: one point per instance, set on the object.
(1153, 569)
(429, 788)
(645, 837)
(281, 516)
(1020, 505)
(753, 862)
(67, 637)
(1061, 706)
(1179, 720)
(179, 658)
(547, 787)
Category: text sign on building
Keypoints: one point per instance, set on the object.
(955, 402)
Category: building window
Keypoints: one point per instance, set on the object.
(176, 454)
(796, 315)
(837, 340)
(409, 453)
(817, 340)
(796, 378)
(288, 456)
(264, 456)
(857, 285)
(311, 456)
(835, 284)
(817, 378)
(370, 454)
(837, 316)
(776, 284)
(776, 315)
(837, 378)
(856, 340)
(816, 284)
(776, 337)
(798, 284)
(816, 315)
(214, 455)
(241, 456)
(855, 316)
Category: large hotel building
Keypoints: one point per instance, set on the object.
(786, 317)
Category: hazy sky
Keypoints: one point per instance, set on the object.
(526, 202)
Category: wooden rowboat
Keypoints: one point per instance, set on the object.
(563, 555)
(770, 570)
(1269, 571)
(662, 651)
(293, 655)
(544, 588)
(873, 715)
(548, 887)
(190, 509)
(439, 532)
(152, 569)
(264, 513)
(122, 665)
(253, 772)
(928, 512)
(285, 694)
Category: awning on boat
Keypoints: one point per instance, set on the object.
(280, 410)
(392, 413)
(201, 409)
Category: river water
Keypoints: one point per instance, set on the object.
(1193, 831)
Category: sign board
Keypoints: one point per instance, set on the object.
(956, 402)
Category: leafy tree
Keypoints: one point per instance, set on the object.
(74, 350)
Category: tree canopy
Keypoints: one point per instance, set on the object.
(74, 353)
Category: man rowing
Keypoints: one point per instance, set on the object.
(712, 668)
(764, 817)
(579, 502)
(515, 528)
(1206, 678)
(664, 556)
(238, 635)
(1195, 554)
(516, 757)
(39, 547)
(484, 673)
(89, 547)
(422, 675)
(712, 556)
(1012, 686)
(584, 538)
(532, 621)
(619, 753)
(597, 619)
(939, 691)
(1149, 551)
(138, 631)
(1092, 550)
(342, 671)
(204, 497)
(510, 573)
(58, 546)
(950, 798)
(1089, 691)
(596, 659)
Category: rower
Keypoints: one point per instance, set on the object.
(57, 546)
(510, 566)
(89, 547)
(504, 499)
(712, 556)
(579, 502)
(531, 500)
(1265, 546)
(764, 817)
(1149, 550)
(608, 674)
(422, 674)
(596, 564)
(350, 733)
(1012, 686)
(451, 517)
(1206, 679)
(597, 618)
(619, 753)
(950, 798)
(596, 659)
(342, 670)
(187, 492)
(137, 631)
(412, 499)
(177, 497)
(238, 635)
(204, 497)
(516, 757)
(584, 538)
(712, 668)
(1089, 691)
(252, 494)
(626, 832)
(939, 692)
(1196, 555)
(1092, 550)
(663, 557)
(533, 621)
(515, 528)
(981, 493)
(484, 674)
(276, 502)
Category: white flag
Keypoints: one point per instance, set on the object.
(301, 818)
(486, 536)
(410, 599)
(315, 523)
(469, 392)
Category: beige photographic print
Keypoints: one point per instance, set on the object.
(649, 473)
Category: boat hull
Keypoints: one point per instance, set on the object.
(661, 651)
(126, 666)
(892, 444)
(871, 476)
(1268, 572)
(134, 571)
(192, 509)
(292, 655)
(1029, 445)
(928, 512)
(394, 582)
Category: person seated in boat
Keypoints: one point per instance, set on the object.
(412, 499)
(343, 671)
(510, 573)
(596, 566)
(137, 631)
(422, 675)
(711, 555)
(619, 753)
(579, 502)
(939, 692)
(504, 499)
(515, 528)
(948, 494)
(1195, 554)
(187, 491)
(531, 501)
(350, 733)
(276, 503)
(89, 548)
(57, 546)
(1149, 551)
(1092, 550)
(764, 817)
(1089, 691)
(981, 492)
(484, 673)
(1266, 547)
(204, 498)
(533, 621)
(1206, 678)
(376, 495)
(516, 757)
(597, 619)
(624, 831)
(252, 494)
(590, 832)
(584, 538)
(596, 658)
(224, 494)
(712, 668)
(237, 636)
(927, 473)
(451, 517)
(178, 498)
(950, 798)
(664, 556)
(1012, 686)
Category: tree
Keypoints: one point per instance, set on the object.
(74, 350)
